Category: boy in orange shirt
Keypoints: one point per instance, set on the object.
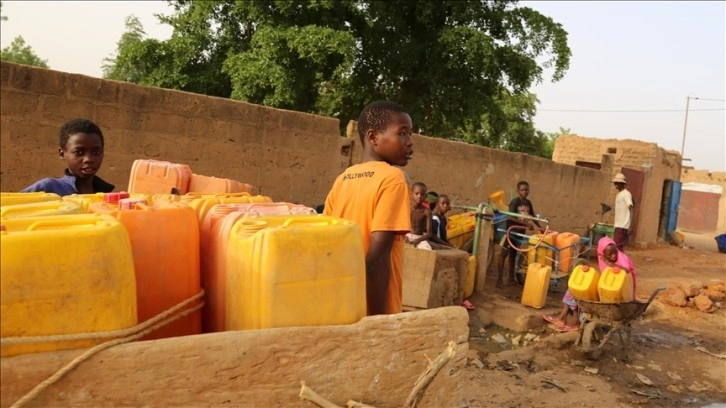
(374, 194)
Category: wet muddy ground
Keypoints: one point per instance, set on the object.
(666, 365)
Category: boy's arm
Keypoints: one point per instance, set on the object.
(378, 270)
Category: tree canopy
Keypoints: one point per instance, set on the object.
(19, 52)
(463, 69)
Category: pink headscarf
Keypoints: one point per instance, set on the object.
(623, 260)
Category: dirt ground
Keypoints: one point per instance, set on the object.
(661, 369)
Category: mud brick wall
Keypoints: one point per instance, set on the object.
(657, 164)
(718, 178)
(289, 156)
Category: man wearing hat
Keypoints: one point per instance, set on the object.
(623, 211)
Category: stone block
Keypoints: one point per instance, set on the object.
(433, 278)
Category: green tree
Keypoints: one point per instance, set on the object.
(21, 53)
(462, 68)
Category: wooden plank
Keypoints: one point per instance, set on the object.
(482, 252)
(376, 360)
(418, 272)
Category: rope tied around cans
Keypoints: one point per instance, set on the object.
(164, 318)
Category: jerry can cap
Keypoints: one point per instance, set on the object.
(114, 197)
(585, 268)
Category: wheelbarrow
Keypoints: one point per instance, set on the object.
(600, 321)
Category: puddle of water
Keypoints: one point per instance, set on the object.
(664, 338)
(486, 342)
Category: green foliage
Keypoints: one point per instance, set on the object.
(21, 53)
(462, 68)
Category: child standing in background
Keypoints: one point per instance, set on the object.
(438, 223)
(420, 218)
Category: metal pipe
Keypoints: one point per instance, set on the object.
(477, 228)
(685, 126)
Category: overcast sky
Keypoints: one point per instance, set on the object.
(627, 57)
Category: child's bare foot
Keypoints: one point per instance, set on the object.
(554, 320)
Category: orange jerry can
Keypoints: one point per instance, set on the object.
(165, 244)
(202, 203)
(567, 243)
(208, 184)
(159, 177)
(215, 232)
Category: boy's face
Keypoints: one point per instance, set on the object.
(418, 194)
(83, 154)
(394, 144)
(523, 191)
(444, 204)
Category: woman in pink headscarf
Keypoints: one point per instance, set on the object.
(609, 255)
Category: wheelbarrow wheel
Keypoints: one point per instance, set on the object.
(594, 338)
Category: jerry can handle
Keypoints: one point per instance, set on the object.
(56, 223)
(308, 221)
(238, 194)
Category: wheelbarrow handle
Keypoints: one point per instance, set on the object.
(652, 296)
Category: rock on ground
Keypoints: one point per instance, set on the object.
(703, 303)
(674, 296)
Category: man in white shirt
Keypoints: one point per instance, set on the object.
(623, 211)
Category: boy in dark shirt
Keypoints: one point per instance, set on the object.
(521, 205)
(81, 146)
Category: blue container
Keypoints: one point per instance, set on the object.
(721, 242)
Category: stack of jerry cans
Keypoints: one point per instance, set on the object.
(285, 271)
(202, 203)
(66, 274)
(215, 232)
(165, 244)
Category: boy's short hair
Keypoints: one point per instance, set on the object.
(522, 183)
(419, 184)
(78, 125)
(376, 116)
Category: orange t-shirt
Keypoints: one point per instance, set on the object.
(375, 196)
